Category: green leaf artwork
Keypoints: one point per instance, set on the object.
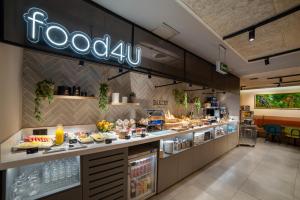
(277, 101)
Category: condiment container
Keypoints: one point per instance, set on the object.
(169, 146)
(115, 98)
(124, 99)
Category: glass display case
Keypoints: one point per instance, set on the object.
(202, 136)
(221, 130)
(177, 144)
(232, 127)
(42, 179)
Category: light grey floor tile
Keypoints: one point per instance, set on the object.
(264, 192)
(243, 196)
(267, 172)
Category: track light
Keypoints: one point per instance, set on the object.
(267, 61)
(120, 70)
(252, 35)
(81, 63)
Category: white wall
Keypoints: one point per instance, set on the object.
(247, 98)
(11, 60)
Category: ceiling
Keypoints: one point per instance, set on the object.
(201, 24)
(263, 79)
(226, 17)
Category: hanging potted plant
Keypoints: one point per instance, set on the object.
(197, 104)
(103, 97)
(44, 90)
(178, 96)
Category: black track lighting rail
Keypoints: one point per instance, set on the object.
(199, 89)
(284, 82)
(118, 75)
(262, 23)
(286, 76)
(274, 55)
(211, 93)
(169, 84)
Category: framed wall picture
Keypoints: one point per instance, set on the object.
(277, 101)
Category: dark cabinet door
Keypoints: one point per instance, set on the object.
(74, 194)
(226, 82)
(198, 71)
(202, 155)
(186, 163)
(104, 175)
(219, 81)
(167, 172)
(233, 83)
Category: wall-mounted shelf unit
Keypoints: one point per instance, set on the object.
(94, 98)
(72, 97)
(124, 104)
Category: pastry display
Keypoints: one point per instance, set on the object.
(125, 124)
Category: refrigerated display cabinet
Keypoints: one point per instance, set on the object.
(232, 127)
(39, 180)
(142, 175)
(203, 136)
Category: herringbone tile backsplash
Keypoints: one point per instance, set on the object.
(38, 66)
(63, 71)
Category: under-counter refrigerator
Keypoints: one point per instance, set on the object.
(142, 175)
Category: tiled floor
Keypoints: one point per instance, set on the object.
(267, 172)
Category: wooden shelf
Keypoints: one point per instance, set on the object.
(95, 98)
(72, 97)
(124, 104)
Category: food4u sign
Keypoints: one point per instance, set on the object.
(58, 37)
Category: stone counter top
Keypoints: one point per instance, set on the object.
(9, 159)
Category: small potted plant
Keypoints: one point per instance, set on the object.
(132, 97)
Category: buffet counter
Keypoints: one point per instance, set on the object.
(11, 159)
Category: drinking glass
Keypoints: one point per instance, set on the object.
(46, 174)
(34, 183)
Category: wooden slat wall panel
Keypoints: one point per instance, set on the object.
(105, 175)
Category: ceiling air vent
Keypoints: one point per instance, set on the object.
(165, 31)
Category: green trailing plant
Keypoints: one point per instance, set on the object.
(179, 96)
(197, 104)
(44, 90)
(103, 97)
(185, 101)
